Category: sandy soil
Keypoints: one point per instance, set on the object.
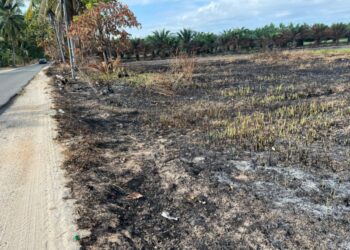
(33, 213)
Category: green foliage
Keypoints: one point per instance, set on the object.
(18, 40)
(340, 51)
(204, 42)
(89, 4)
(339, 30)
(163, 43)
(186, 39)
(36, 31)
(11, 24)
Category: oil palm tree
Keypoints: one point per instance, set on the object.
(224, 40)
(11, 24)
(185, 38)
(38, 9)
(137, 46)
(292, 34)
(230, 39)
(339, 30)
(204, 42)
(320, 32)
(162, 42)
(266, 36)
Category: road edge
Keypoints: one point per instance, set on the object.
(9, 102)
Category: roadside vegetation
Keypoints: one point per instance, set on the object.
(21, 36)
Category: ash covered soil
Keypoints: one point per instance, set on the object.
(190, 170)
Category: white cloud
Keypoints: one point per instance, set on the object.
(253, 13)
(217, 15)
(138, 2)
(148, 2)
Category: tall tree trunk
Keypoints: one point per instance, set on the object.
(13, 53)
(105, 42)
(69, 40)
(58, 37)
(109, 48)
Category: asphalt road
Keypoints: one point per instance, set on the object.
(12, 81)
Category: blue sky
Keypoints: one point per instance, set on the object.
(215, 16)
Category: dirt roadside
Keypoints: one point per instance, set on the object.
(33, 213)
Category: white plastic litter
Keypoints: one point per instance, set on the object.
(168, 216)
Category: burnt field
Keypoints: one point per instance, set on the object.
(249, 152)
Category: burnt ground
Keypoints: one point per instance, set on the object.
(253, 154)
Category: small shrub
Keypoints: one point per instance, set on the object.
(108, 68)
(102, 73)
(180, 75)
(182, 69)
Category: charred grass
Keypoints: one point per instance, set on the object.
(243, 153)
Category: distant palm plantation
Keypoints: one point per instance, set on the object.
(165, 43)
(43, 29)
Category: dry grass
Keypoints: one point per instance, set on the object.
(178, 76)
(302, 56)
(237, 92)
(302, 121)
(107, 68)
(255, 155)
(103, 73)
(257, 116)
(200, 112)
(182, 68)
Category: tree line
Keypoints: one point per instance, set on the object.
(65, 30)
(75, 30)
(164, 43)
(20, 36)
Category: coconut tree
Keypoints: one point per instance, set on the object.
(62, 11)
(11, 24)
(3, 52)
(58, 7)
(37, 10)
